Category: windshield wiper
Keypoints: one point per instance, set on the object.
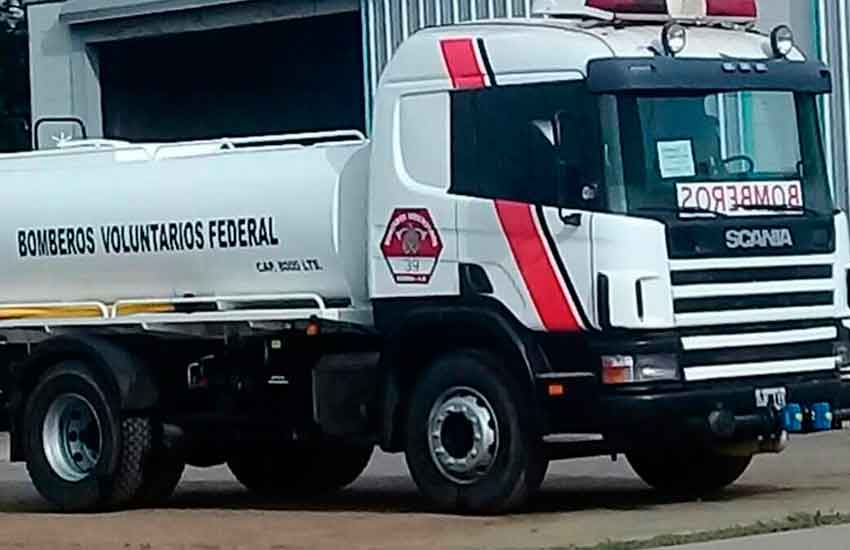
(778, 208)
(688, 210)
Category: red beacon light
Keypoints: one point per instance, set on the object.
(731, 11)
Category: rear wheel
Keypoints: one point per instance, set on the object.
(470, 443)
(688, 473)
(300, 471)
(81, 454)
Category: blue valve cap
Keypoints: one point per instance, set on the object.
(792, 418)
(821, 417)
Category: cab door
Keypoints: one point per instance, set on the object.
(516, 184)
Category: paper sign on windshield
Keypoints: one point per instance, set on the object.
(741, 198)
(676, 159)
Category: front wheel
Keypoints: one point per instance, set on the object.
(470, 445)
(690, 473)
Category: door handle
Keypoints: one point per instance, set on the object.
(567, 218)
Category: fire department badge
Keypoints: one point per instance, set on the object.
(411, 246)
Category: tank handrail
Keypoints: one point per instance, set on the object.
(231, 144)
(99, 143)
(333, 135)
(158, 151)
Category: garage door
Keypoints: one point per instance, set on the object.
(296, 75)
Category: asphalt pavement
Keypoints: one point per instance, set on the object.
(584, 502)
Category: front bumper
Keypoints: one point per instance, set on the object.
(723, 410)
(726, 411)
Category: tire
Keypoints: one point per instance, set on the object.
(300, 471)
(162, 475)
(688, 474)
(81, 454)
(513, 463)
(537, 472)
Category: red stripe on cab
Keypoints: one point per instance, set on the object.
(530, 254)
(462, 64)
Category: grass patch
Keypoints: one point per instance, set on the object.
(791, 523)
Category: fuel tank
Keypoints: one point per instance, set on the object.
(128, 222)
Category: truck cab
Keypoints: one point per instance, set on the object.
(640, 195)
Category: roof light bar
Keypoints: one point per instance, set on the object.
(732, 11)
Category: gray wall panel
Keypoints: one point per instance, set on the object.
(407, 16)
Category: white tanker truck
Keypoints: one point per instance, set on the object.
(607, 230)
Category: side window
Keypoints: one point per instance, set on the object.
(424, 135)
(525, 142)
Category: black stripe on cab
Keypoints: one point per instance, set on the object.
(562, 268)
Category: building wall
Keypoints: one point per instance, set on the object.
(831, 20)
(63, 76)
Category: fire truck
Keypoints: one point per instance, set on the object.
(608, 229)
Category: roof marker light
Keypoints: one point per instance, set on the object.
(674, 38)
(630, 6)
(721, 11)
(782, 41)
(732, 8)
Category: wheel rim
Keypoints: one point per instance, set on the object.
(463, 435)
(72, 437)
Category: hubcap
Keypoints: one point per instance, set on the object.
(71, 437)
(463, 435)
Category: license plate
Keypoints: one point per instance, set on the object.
(771, 397)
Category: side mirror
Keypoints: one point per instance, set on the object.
(53, 132)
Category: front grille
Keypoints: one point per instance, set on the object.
(754, 317)
(752, 275)
(757, 301)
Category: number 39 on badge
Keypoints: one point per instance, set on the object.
(411, 246)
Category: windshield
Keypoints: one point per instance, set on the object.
(736, 154)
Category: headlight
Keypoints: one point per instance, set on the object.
(629, 369)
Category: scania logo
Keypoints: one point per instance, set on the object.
(759, 238)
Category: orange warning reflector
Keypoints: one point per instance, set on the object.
(556, 390)
(312, 328)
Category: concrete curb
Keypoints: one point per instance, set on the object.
(825, 537)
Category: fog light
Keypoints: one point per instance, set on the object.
(654, 368)
(782, 41)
